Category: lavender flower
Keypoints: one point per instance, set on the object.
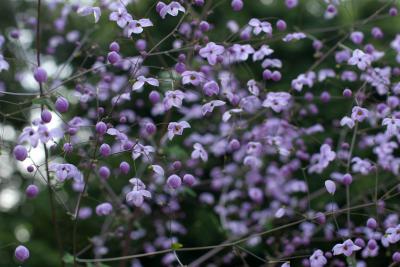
(176, 128)
(277, 101)
(211, 52)
(347, 248)
(88, 10)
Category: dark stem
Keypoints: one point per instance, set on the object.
(46, 152)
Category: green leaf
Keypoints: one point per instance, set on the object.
(189, 192)
(176, 246)
(68, 258)
(42, 101)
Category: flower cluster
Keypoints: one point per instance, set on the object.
(234, 133)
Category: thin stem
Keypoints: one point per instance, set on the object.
(46, 152)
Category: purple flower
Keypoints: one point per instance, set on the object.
(138, 193)
(261, 53)
(346, 248)
(228, 114)
(392, 125)
(294, 37)
(66, 171)
(361, 166)
(88, 10)
(158, 170)
(211, 52)
(253, 88)
(209, 107)
(260, 26)
(199, 152)
(360, 59)
(211, 88)
(349, 122)
(393, 234)
(173, 99)
(271, 63)
(121, 16)
(277, 101)
(29, 135)
(139, 150)
(192, 77)
(359, 113)
(320, 161)
(172, 9)
(241, 52)
(136, 26)
(104, 209)
(176, 128)
(141, 80)
(317, 259)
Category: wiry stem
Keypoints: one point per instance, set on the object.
(46, 152)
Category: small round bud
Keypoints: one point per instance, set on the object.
(46, 116)
(32, 191)
(276, 76)
(234, 144)
(281, 25)
(101, 128)
(237, 5)
(105, 150)
(113, 57)
(21, 253)
(189, 179)
(393, 11)
(141, 45)
(347, 92)
(359, 242)
(180, 67)
(15, 34)
(371, 223)
(325, 97)
(177, 165)
(124, 167)
(114, 46)
(150, 128)
(372, 244)
(40, 75)
(62, 104)
(30, 168)
(20, 153)
(396, 257)
(104, 209)
(199, 2)
(291, 3)
(347, 179)
(204, 26)
(174, 181)
(320, 218)
(154, 97)
(267, 74)
(104, 172)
